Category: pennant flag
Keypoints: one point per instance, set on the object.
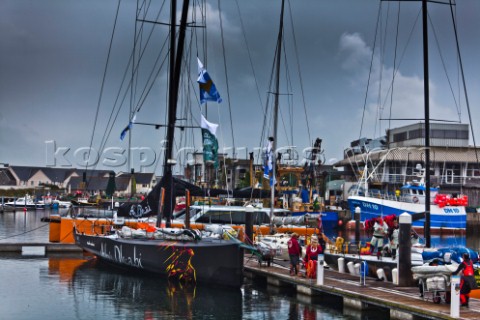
(208, 91)
(128, 127)
(267, 168)
(210, 142)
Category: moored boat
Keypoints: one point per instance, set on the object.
(180, 253)
(446, 211)
(190, 258)
(25, 202)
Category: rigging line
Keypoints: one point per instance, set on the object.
(463, 82)
(143, 95)
(110, 123)
(226, 78)
(249, 54)
(445, 68)
(383, 45)
(299, 72)
(109, 126)
(403, 55)
(222, 142)
(289, 98)
(103, 82)
(135, 73)
(266, 126)
(370, 71)
(287, 78)
(188, 114)
(394, 62)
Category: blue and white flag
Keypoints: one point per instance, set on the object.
(208, 91)
(128, 127)
(268, 165)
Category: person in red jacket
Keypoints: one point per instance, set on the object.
(313, 249)
(467, 282)
(311, 255)
(295, 252)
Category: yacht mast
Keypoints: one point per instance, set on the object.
(278, 55)
(427, 123)
(175, 69)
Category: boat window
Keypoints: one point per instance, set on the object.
(231, 217)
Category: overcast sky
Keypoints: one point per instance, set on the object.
(53, 55)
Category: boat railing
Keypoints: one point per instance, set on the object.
(442, 179)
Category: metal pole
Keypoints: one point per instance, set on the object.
(427, 123)
(404, 263)
(249, 224)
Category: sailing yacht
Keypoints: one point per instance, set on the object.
(177, 253)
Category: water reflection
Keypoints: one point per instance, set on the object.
(154, 297)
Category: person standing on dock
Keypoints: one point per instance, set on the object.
(295, 252)
(467, 282)
(311, 256)
(394, 238)
(380, 230)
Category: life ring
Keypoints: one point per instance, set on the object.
(415, 199)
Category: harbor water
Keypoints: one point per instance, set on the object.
(77, 286)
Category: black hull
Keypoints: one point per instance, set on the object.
(208, 261)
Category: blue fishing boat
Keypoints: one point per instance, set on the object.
(446, 211)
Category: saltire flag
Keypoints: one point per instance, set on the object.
(128, 127)
(267, 167)
(208, 91)
(210, 142)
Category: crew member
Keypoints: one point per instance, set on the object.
(467, 282)
(295, 252)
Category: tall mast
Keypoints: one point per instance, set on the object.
(427, 123)
(275, 113)
(175, 69)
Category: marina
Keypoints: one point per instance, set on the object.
(347, 291)
(342, 290)
(166, 213)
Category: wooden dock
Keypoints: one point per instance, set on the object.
(402, 302)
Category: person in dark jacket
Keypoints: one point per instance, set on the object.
(467, 282)
(295, 252)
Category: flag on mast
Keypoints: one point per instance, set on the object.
(208, 91)
(210, 142)
(268, 165)
(128, 127)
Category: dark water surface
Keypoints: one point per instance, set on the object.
(79, 287)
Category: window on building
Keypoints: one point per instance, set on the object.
(438, 134)
(463, 134)
(401, 136)
(451, 134)
(416, 134)
(473, 170)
